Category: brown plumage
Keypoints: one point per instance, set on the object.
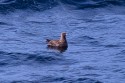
(62, 42)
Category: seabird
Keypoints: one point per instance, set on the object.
(61, 43)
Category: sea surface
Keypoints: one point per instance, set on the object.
(95, 34)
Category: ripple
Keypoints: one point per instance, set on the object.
(122, 52)
(82, 80)
(46, 79)
(3, 63)
(25, 81)
(112, 46)
(28, 33)
(43, 59)
(119, 57)
(82, 39)
(15, 58)
(94, 75)
(68, 80)
(73, 24)
(117, 70)
(94, 43)
(89, 68)
(3, 23)
(53, 79)
(37, 22)
(88, 38)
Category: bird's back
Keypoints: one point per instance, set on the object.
(62, 42)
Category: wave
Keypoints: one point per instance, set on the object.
(69, 80)
(94, 3)
(17, 58)
(10, 5)
(53, 79)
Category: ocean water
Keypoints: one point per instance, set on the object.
(95, 34)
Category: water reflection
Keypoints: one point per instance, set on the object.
(60, 49)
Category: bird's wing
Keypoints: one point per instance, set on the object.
(54, 43)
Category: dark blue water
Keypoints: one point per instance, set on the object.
(95, 34)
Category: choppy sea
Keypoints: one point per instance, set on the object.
(95, 34)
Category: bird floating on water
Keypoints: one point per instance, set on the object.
(58, 44)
